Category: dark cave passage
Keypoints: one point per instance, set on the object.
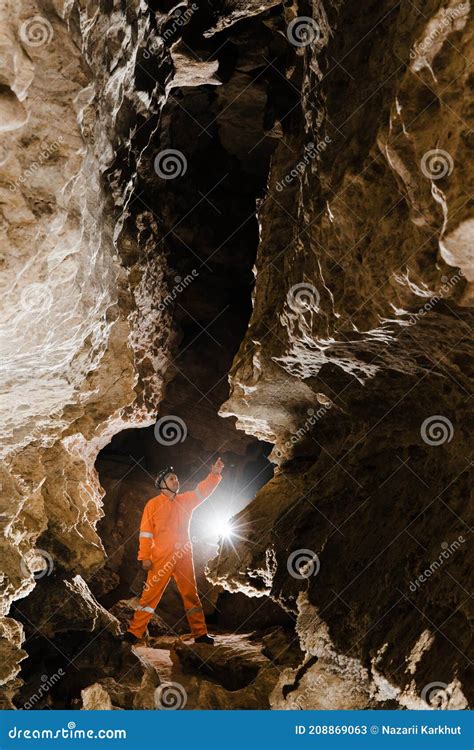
(209, 235)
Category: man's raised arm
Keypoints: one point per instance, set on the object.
(207, 486)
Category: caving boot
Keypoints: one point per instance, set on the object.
(205, 639)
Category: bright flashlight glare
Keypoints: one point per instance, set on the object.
(223, 528)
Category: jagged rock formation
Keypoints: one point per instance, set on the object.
(358, 357)
(342, 154)
(239, 672)
(78, 328)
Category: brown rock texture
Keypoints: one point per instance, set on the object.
(81, 341)
(357, 362)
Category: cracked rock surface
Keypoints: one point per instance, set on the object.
(304, 286)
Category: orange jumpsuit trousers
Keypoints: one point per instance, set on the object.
(164, 539)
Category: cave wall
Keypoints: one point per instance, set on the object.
(357, 363)
(80, 339)
(355, 334)
(88, 99)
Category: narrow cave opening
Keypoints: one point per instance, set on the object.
(219, 143)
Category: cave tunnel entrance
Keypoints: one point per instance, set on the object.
(127, 468)
(221, 138)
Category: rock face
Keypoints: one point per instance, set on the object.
(243, 189)
(235, 673)
(82, 344)
(357, 362)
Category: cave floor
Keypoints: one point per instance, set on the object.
(234, 673)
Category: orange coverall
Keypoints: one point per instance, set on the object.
(164, 539)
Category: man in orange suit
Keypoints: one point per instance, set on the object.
(166, 551)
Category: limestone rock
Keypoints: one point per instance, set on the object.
(96, 698)
(323, 203)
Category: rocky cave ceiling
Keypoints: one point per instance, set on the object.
(252, 221)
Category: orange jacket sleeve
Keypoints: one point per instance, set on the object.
(203, 490)
(146, 533)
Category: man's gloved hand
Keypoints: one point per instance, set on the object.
(147, 564)
(217, 467)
